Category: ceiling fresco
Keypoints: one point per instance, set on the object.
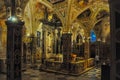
(87, 13)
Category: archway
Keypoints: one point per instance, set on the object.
(85, 22)
(47, 23)
(102, 30)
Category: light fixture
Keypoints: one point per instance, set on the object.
(13, 19)
(28, 34)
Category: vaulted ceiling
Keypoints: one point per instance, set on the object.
(87, 13)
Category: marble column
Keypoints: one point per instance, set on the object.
(14, 49)
(115, 39)
(24, 53)
(59, 40)
(86, 51)
(0, 35)
(66, 47)
(1, 43)
(55, 41)
(44, 33)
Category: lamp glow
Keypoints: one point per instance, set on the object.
(93, 36)
(13, 19)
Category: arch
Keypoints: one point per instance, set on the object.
(81, 11)
(104, 7)
(94, 15)
(47, 4)
(95, 20)
(85, 13)
(81, 26)
(102, 29)
(78, 31)
(98, 11)
(94, 12)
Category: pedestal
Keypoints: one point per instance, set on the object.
(14, 49)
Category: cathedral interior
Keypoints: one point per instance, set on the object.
(54, 36)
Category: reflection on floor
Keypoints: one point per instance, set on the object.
(94, 74)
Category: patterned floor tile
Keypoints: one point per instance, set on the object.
(94, 74)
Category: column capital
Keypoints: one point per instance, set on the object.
(13, 21)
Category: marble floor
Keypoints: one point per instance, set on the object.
(30, 74)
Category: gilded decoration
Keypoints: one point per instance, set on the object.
(68, 13)
(64, 31)
(71, 8)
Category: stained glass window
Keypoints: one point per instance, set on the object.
(92, 36)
